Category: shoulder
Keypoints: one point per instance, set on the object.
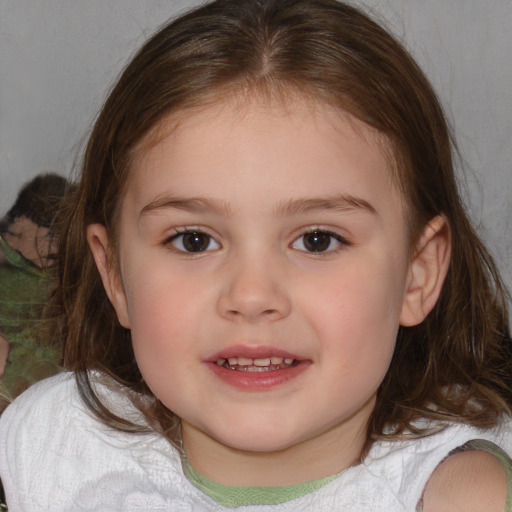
(37, 418)
(30, 431)
(51, 414)
(42, 399)
(53, 450)
(408, 466)
(470, 481)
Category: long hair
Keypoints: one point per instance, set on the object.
(455, 365)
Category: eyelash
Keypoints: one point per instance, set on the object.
(180, 235)
(329, 235)
(178, 241)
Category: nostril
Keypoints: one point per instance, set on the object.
(252, 301)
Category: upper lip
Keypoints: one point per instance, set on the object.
(253, 352)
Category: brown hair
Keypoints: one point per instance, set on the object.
(456, 364)
(38, 200)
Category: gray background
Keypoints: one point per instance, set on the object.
(59, 57)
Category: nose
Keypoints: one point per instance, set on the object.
(254, 291)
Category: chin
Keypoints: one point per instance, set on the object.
(259, 440)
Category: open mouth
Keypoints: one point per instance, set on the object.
(264, 364)
(257, 368)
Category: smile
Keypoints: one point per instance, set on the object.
(264, 364)
(257, 367)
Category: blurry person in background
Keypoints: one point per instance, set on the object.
(28, 243)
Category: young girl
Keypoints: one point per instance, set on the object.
(271, 296)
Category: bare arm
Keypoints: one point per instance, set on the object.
(472, 481)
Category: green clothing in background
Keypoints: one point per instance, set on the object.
(23, 293)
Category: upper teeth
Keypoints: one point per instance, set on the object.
(264, 361)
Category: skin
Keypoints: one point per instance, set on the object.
(34, 242)
(255, 181)
(4, 353)
(467, 482)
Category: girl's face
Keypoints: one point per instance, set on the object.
(264, 272)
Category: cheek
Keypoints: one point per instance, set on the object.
(358, 301)
(164, 311)
(162, 351)
(356, 319)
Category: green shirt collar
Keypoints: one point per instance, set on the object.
(236, 496)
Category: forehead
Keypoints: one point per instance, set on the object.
(298, 147)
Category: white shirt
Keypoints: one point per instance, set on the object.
(56, 456)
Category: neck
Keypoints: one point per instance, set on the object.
(327, 454)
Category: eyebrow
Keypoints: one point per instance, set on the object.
(341, 203)
(188, 204)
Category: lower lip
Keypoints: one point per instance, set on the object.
(257, 381)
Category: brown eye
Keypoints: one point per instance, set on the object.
(194, 241)
(318, 242)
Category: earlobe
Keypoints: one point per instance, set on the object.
(98, 240)
(427, 272)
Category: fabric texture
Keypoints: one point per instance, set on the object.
(23, 294)
(55, 456)
(23, 291)
(236, 496)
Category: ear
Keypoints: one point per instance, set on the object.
(427, 272)
(99, 243)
